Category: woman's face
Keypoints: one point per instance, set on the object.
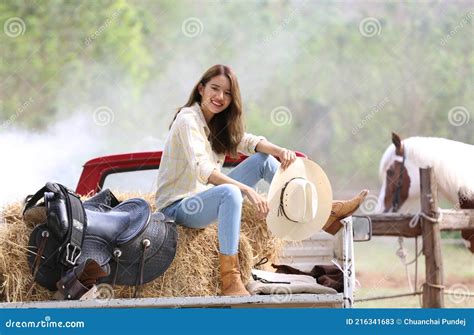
(216, 95)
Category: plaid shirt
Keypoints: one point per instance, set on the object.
(188, 159)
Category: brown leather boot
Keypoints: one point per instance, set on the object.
(231, 281)
(341, 210)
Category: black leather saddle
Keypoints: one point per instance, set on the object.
(102, 240)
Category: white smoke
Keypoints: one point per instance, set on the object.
(29, 159)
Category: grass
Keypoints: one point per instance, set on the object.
(381, 272)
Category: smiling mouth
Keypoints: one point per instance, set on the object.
(216, 104)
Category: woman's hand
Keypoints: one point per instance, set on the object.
(259, 202)
(286, 157)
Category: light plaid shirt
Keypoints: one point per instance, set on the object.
(188, 159)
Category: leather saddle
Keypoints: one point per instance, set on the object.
(100, 240)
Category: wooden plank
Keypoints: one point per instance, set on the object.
(398, 224)
(433, 291)
(457, 219)
(254, 301)
(393, 225)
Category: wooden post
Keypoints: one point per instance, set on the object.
(433, 288)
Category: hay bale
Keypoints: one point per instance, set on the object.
(194, 271)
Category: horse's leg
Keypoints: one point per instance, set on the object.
(467, 234)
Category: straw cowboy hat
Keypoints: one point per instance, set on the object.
(300, 200)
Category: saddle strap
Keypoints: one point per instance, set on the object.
(39, 253)
(76, 219)
(37, 262)
(32, 200)
(69, 285)
(77, 224)
(145, 244)
(117, 254)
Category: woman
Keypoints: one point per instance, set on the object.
(191, 187)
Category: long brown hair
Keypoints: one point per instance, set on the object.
(227, 127)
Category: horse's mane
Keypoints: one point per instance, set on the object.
(453, 162)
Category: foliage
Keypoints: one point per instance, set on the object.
(346, 91)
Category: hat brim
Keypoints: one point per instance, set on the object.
(279, 225)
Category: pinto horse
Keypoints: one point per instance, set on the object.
(453, 165)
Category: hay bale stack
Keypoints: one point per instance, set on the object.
(194, 271)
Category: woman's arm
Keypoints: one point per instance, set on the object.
(268, 148)
(286, 156)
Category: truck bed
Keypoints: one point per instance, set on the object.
(255, 301)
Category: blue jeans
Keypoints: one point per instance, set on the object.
(224, 202)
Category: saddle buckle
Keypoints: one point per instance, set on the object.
(72, 253)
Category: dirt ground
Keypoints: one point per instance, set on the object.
(380, 272)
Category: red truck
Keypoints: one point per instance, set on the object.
(322, 248)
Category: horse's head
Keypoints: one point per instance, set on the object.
(396, 177)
